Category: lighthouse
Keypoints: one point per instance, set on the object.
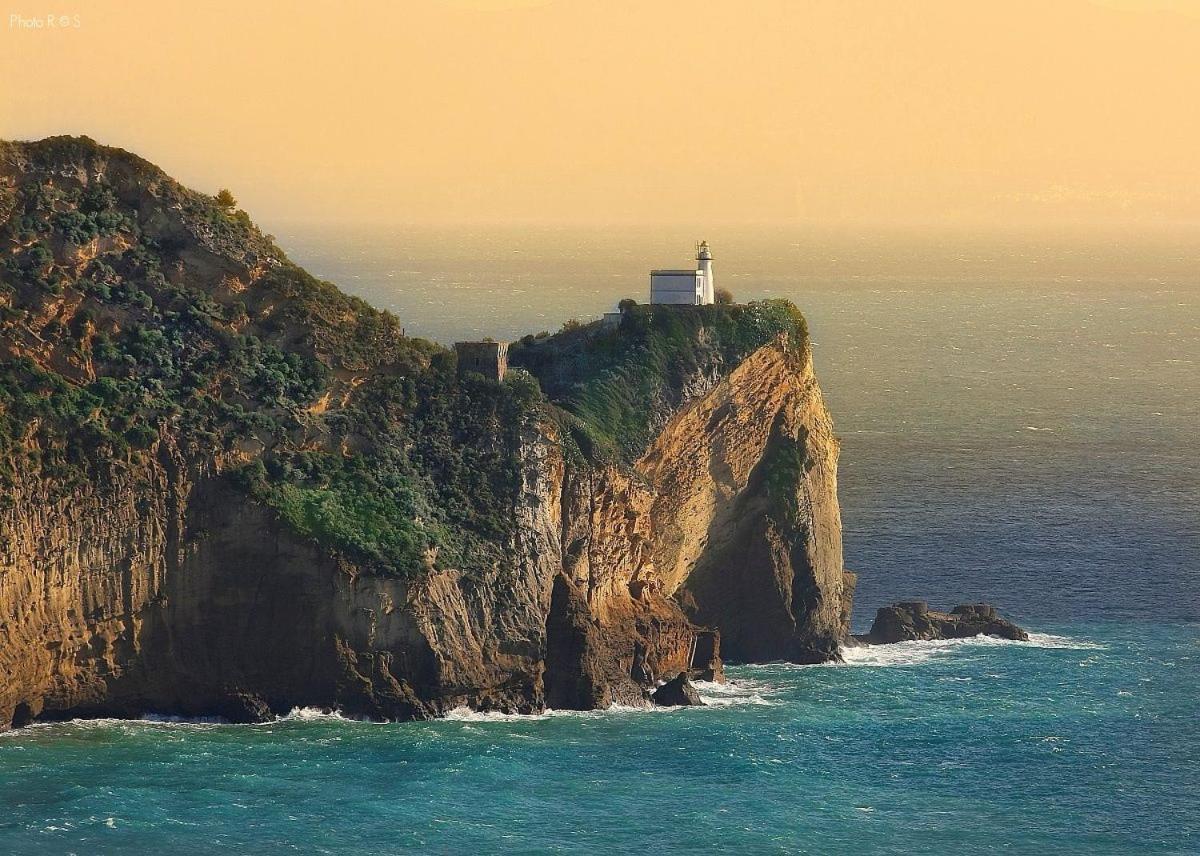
(685, 287)
(704, 266)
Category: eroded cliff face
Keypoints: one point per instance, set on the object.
(746, 506)
(164, 588)
(229, 489)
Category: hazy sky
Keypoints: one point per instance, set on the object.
(838, 113)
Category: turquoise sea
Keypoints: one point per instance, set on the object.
(1019, 423)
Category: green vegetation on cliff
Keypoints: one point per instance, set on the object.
(133, 309)
(785, 464)
(619, 382)
(434, 481)
(122, 308)
(137, 315)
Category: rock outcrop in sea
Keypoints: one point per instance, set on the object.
(677, 692)
(230, 489)
(910, 621)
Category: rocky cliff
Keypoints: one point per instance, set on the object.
(229, 489)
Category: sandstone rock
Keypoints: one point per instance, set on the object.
(913, 620)
(677, 692)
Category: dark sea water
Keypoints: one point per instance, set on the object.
(1019, 419)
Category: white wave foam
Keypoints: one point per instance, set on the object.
(897, 654)
(1049, 640)
(921, 651)
(730, 693)
(316, 714)
(466, 714)
(146, 721)
(734, 693)
(616, 709)
(169, 719)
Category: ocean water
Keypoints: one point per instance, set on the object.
(1019, 424)
(1084, 741)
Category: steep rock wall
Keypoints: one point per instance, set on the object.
(161, 587)
(752, 544)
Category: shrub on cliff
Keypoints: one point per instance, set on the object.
(433, 485)
(620, 383)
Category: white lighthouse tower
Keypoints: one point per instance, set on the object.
(704, 257)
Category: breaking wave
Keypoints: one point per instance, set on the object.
(317, 714)
(466, 714)
(170, 719)
(921, 651)
(730, 694)
(737, 691)
(734, 692)
(145, 722)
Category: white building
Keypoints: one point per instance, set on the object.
(686, 287)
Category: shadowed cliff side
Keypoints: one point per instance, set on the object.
(755, 543)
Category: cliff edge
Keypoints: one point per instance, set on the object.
(228, 488)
